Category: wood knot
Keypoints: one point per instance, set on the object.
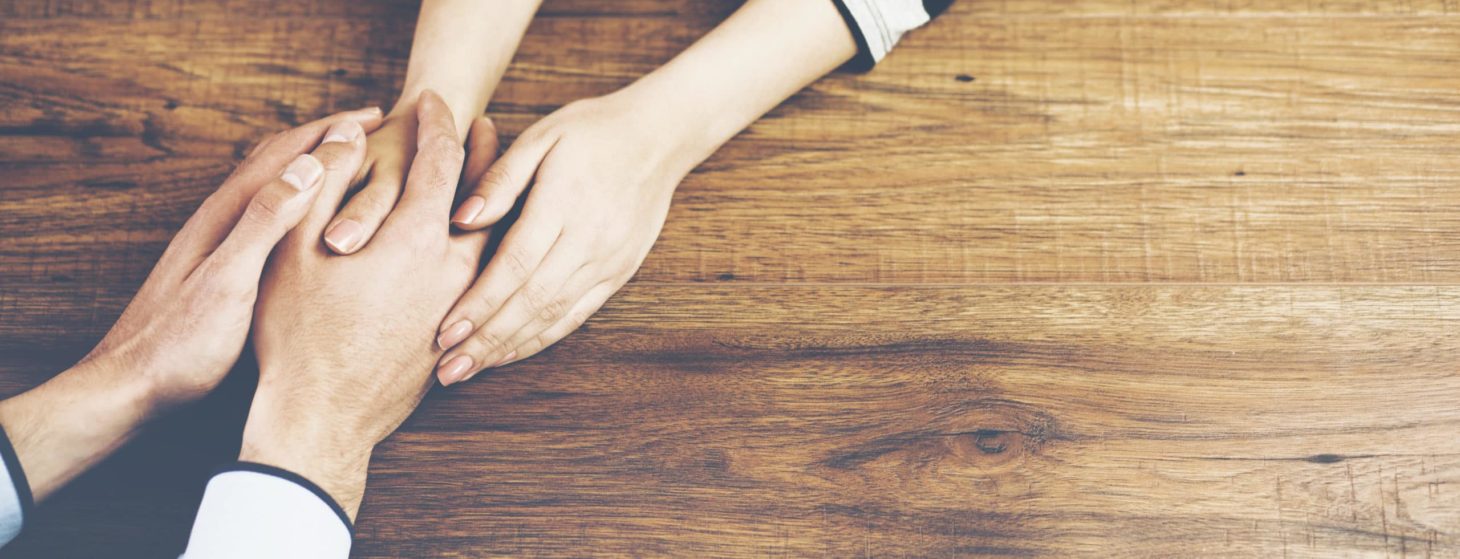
(989, 441)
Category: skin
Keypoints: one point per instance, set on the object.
(448, 31)
(187, 325)
(344, 345)
(602, 172)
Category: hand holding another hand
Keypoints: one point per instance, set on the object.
(345, 343)
(186, 326)
(602, 173)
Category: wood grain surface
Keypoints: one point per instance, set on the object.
(1099, 278)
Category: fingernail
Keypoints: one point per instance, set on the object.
(453, 371)
(469, 210)
(343, 236)
(345, 132)
(454, 335)
(375, 110)
(509, 357)
(303, 172)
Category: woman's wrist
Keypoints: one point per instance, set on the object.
(682, 137)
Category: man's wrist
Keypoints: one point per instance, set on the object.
(303, 439)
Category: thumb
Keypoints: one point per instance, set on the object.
(272, 212)
(502, 183)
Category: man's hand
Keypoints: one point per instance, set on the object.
(187, 325)
(345, 343)
(602, 172)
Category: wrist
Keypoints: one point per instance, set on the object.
(465, 106)
(682, 136)
(64, 426)
(304, 438)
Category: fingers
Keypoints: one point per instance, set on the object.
(518, 257)
(481, 149)
(543, 299)
(497, 190)
(585, 307)
(366, 211)
(431, 184)
(203, 232)
(292, 198)
(274, 152)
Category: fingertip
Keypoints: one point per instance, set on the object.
(429, 100)
(368, 118)
(470, 209)
(344, 236)
(454, 370)
(453, 335)
(347, 131)
(303, 173)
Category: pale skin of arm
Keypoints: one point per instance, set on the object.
(460, 51)
(603, 171)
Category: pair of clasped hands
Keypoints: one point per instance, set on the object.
(348, 338)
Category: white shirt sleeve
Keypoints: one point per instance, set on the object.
(877, 25)
(15, 498)
(252, 510)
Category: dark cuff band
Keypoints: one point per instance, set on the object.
(17, 475)
(296, 479)
(863, 61)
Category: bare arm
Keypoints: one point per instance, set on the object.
(460, 51)
(604, 170)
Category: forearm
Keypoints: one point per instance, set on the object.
(460, 51)
(764, 53)
(73, 421)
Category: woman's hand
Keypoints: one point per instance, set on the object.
(602, 174)
(389, 151)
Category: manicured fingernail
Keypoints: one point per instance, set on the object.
(375, 110)
(469, 210)
(345, 132)
(454, 335)
(453, 371)
(303, 172)
(509, 357)
(344, 235)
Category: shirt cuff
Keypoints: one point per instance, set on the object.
(252, 510)
(16, 501)
(877, 25)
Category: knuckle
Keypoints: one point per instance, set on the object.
(497, 176)
(263, 209)
(516, 262)
(372, 202)
(425, 240)
(334, 158)
(488, 340)
(536, 296)
(487, 301)
(553, 310)
(446, 146)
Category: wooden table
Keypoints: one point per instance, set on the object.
(1059, 278)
